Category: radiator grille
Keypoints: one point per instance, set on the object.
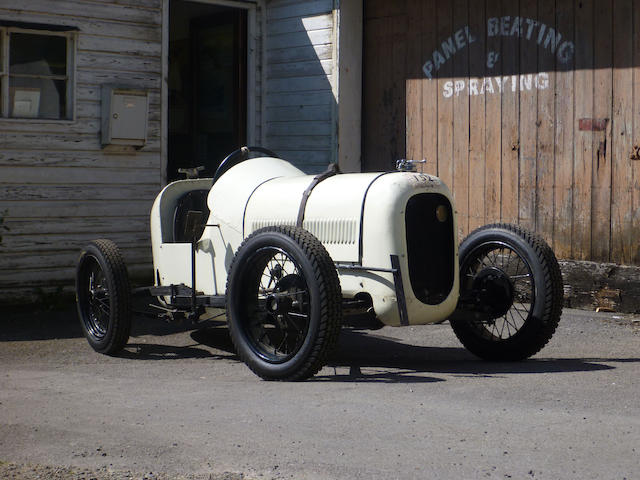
(430, 247)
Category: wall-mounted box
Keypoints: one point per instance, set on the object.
(125, 112)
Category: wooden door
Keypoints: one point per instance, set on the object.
(527, 109)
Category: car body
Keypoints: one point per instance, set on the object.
(361, 219)
(293, 257)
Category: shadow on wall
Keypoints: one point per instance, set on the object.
(300, 103)
(480, 49)
(487, 48)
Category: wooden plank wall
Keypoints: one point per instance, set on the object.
(58, 187)
(386, 67)
(300, 99)
(528, 109)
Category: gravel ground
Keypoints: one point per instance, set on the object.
(12, 471)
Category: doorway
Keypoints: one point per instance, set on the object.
(207, 85)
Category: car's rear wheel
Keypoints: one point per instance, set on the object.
(511, 287)
(283, 303)
(103, 296)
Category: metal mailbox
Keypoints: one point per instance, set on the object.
(124, 116)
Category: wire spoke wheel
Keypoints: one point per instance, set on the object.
(103, 296)
(97, 308)
(511, 287)
(276, 303)
(503, 280)
(283, 303)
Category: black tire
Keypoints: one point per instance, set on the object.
(284, 303)
(517, 283)
(103, 297)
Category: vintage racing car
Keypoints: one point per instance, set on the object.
(292, 257)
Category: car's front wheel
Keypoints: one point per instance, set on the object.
(284, 307)
(511, 293)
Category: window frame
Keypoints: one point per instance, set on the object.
(69, 77)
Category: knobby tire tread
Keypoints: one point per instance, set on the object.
(330, 302)
(552, 306)
(117, 275)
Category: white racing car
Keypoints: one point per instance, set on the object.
(293, 257)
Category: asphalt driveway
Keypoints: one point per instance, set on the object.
(394, 403)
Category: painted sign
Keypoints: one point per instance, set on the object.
(543, 35)
(488, 85)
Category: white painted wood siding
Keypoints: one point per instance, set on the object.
(58, 187)
(300, 100)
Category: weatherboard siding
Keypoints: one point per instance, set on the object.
(300, 101)
(59, 188)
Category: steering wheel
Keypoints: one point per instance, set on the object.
(238, 156)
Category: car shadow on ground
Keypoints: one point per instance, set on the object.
(27, 324)
(30, 324)
(215, 336)
(368, 357)
(361, 356)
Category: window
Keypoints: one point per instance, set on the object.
(36, 74)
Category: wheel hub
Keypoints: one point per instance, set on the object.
(495, 289)
(278, 305)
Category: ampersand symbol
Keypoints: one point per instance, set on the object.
(492, 59)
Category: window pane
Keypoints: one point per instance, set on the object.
(37, 98)
(37, 54)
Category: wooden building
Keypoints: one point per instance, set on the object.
(208, 77)
(528, 109)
